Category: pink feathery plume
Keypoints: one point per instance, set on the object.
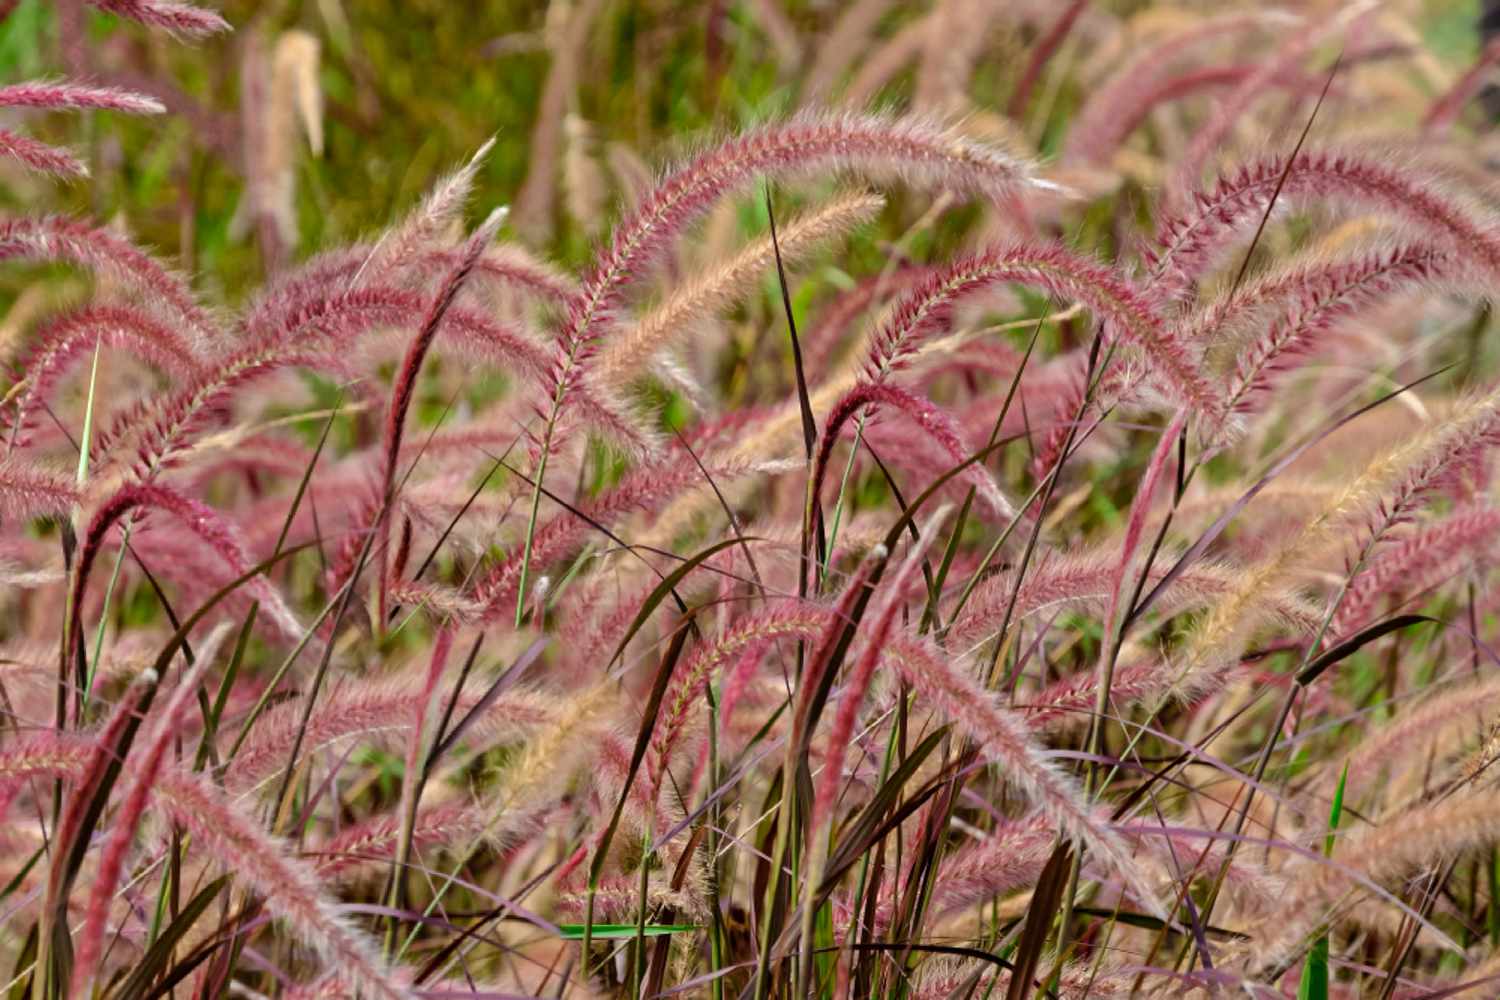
(145, 766)
(314, 284)
(1305, 287)
(63, 95)
(92, 773)
(178, 18)
(1189, 243)
(1425, 559)
(377, 711)
(260, 454)
(510, 267)
(1319, 298)
(645, 489)
(821, 341)
(1117, 106)
(67, 341)
(857, 684)
(50, 754)
(308, 330)
(264, 864)
(60, 239)
(1010, 858)
(422, 712)
(1066, 409)
(414, 235)
(874, 145)
(1173, 88)
(790, 618)
(1140, 508)
(163, 428)
(937, 423)
(1126, 312)
(28, 490)
(374, 841)
(1284, 61)
(977, 359)
(40, 156)
(1041, 53)
(1005, 739)
(832, 638)
(1461, 443)
(1082, 582)
(411, 366)
(211, 527)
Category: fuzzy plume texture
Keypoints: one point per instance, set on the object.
(575, 538)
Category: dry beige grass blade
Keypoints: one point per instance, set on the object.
(568, 32)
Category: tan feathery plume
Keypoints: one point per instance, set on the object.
(624, 357)
(1414, 840)
(584, 189)
(1398, 471)
(568, 31)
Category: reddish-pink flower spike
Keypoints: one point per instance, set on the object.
(63, 95)
(857, 684)
(869, 144)
(145, 767)
(68, 340)
(646, 489)
(28, 490)
(858, 590)
(46, 755)
(1140, 508)
(1427, 558)
(821, 342)
(178, 18)
(1005, 739)
(59, 239)
(1446, 109)
(1464, 440)
(1010, 858)
(376, 710)
(1125, 311)
(312, 330)
(1189, 244)
(1067, 411)
(1285, 62)
(1165, 91)
(1114, 109)
(411, 367)
(512, 268)
(1319, 297)
(411, 239)
(91, 773)
(418, 744)
(291, 889)
(211, 527)
(1306, 284)
(371, 844)
(938, 424)
(39, 156)
(790, 619)
(1082, 581)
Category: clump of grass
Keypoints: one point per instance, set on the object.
(991, 578)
